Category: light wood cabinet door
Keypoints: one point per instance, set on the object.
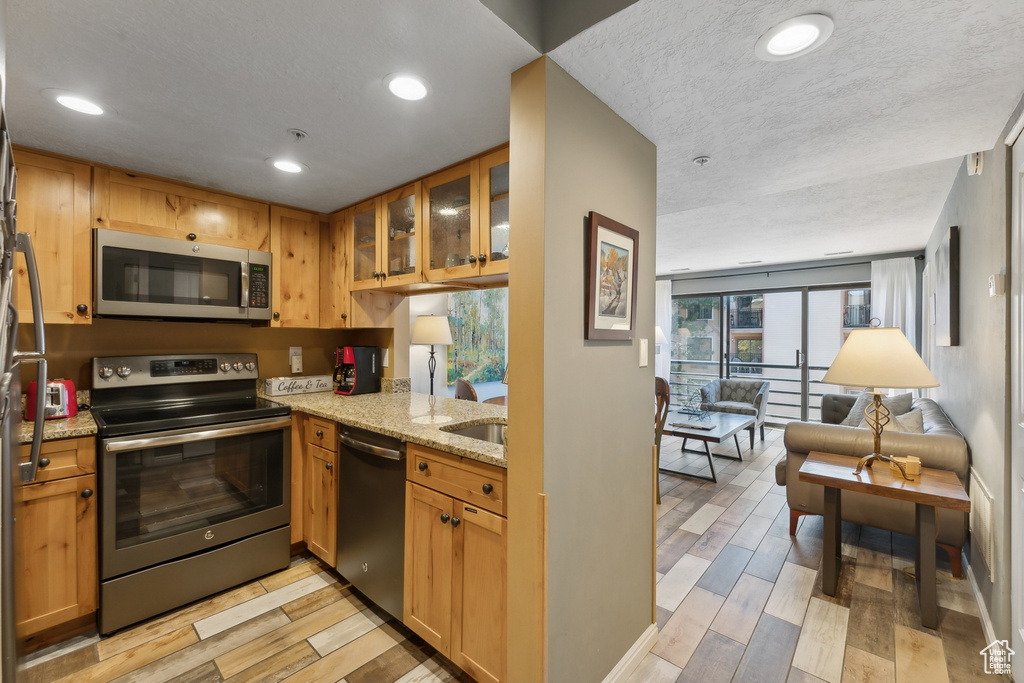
(295, 244)
(55, 552)
(298, 482)
(320, 520)
(400, 239)
(362, 231)
(494, 227)
(428, 565)
(334, 273)
(451, 222)
(54, 208)
(478, 593)
(150, 206)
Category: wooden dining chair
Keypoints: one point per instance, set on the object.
(464, 390)
(662, 398)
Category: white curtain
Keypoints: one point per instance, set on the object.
(663, 319)
(894, 295)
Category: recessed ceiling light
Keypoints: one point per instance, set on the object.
(794, 37)
(406, 86)
(287, 166)
(702, 160)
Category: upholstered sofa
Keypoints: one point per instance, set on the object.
(741, 396)
(941, 447)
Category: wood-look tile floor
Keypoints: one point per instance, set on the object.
(739, 599)
(299, 624)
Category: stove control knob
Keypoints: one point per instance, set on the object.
(106, 373)
(124, 371)
(237, 366)
(225, 367)
(250, 366)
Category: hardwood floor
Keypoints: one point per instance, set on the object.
(300, 624)
(739, 599)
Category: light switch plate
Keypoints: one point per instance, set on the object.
(643, 353)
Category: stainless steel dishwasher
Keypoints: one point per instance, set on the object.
(371, 515)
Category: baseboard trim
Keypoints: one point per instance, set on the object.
(631, 660)
(986, 620)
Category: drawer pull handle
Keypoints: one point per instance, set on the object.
(455, 522)
(488, 488)
(330, 465)
(423, 467)
(445, 517)
(43, 462)
(87, 493)
(319, 433)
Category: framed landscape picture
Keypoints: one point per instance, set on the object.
(611, 264)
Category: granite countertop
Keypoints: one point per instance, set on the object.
(396, 414)
(81, 424)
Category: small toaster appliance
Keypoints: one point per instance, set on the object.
(60, 401)
(357, 370)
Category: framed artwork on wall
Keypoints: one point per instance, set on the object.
(611, 272)
(947, 289)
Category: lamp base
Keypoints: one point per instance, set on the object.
(869, 460)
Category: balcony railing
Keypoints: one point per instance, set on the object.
(746, 319)
(857, 315)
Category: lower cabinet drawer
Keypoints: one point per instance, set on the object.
(475, 482)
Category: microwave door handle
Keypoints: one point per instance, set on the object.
(24, 245)
(245, 284)
(29, 469)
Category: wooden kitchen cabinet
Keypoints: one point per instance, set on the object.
(295, 276)
(55, 539)
(451, 213)
(335, 297)
(456, 558)
(494, 226)
(151, 206)
(320, 469)
(383, 238)
(54, 208)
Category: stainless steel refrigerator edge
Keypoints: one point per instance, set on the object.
(12, 472)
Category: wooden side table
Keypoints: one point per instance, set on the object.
(934, 488)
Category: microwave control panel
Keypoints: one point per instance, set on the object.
(259, 285)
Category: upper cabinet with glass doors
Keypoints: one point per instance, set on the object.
(383, 240)
(466, 219)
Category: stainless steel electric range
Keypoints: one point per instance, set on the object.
(194, 481)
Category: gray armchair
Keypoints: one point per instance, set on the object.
(742, 396)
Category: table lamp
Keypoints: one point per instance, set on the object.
(878, 357)
(433, 330)
(659, 338)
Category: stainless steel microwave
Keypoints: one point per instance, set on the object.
(140, 276)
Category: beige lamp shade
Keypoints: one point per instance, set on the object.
(879, 357)
(659, 335)
(432, 329)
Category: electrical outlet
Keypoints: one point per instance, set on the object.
(295, 359)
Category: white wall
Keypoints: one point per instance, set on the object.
(419, 354)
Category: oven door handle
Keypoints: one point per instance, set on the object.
(135, 444)
(389, 453)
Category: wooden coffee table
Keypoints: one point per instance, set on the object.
(720, 427)
(934, 488)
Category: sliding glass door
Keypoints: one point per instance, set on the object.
(786, 337)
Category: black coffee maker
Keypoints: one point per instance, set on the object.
(356, 370)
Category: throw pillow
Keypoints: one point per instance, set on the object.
(897, 405)
(910, 423)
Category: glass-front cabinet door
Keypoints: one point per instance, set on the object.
(452, 216)
(364, 231)
(400, 261)
(494, 231)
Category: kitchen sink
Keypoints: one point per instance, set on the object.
(485, 432)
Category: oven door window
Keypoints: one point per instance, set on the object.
(158, 278)
(165, 491)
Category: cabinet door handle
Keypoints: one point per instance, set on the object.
(471, 258)
(319, 433)
(483, 258)
(330, 465)
(488, 488)
(344, 316)
(82, 308)
(87, 493)
(43, 462)
(277, 316)
(191, 237)
(455, 522)
(445, 517)
(423, 467)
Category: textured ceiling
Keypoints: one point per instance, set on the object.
(205, 91)
(840, 149)
(853, 147)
